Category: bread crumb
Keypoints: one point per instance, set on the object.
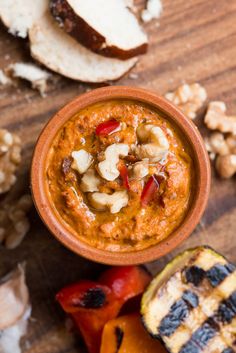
(153, 10)
(4, 79)
(32, 73)
(133, 76)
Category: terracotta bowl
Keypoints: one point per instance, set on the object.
(201, 165)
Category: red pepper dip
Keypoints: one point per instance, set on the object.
(120, 176)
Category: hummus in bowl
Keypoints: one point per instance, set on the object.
(117, 174)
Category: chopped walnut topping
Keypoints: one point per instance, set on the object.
(189, 98)
(14, 223)
(108, 168)
(155, 144)
(10, 158)
(216, 119)
(140, 169)
(82, 160)
(115, 202)
(90, 182)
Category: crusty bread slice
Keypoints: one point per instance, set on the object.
(58, 51)
(19, 15)
(106, 27)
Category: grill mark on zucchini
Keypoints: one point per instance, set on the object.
(215, 275)
(178, 312)
(201, 337)
(228, 350)
(194, 275)
(227, 310)
(218, 273)
(191, 298)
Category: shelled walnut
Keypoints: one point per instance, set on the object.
(14, 223)
(10, 158)
(222, 148)
(189, 98)
(216, 118)
(226, 165)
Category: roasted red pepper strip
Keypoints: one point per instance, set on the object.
(90, 323)
(92, 304)
(124, 176)
(149, 190)
(107, 127)
(126, 282)
(83, 295)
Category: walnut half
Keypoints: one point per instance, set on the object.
(216, 119)
(10, 158)
(226, 165)
(14, 223)
(189, 98)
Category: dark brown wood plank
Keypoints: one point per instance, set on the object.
(193, 41)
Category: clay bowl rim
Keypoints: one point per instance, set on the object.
(59, 228)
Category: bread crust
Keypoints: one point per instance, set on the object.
(48, 41)
(78, 28)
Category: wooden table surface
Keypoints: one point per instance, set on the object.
(194, 41)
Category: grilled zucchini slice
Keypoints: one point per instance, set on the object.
(192, 303)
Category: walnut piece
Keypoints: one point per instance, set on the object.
(90, 182)
(223, 149)
(216, 119)
(10, 158)
(155, 144)
(140, 169)
(217, 144)
(189, 98)
(221, 144)
(114, 202)
(14, 223)
(108, 168)
(82, 160)
(226, 165)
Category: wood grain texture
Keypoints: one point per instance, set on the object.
(194, 41)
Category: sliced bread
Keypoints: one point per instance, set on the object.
(19, 15)
(106, 27)
(58, 51)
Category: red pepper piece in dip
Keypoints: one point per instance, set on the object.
(124, 176)
(149, 191)
(107, 127)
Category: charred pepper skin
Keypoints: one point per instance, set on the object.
(92, 304)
